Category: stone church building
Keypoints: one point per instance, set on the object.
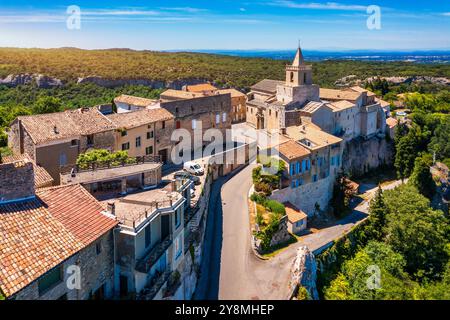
(274, 105)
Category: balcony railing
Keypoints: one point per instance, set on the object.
(144, 264)
(154, 285)
(99, 165)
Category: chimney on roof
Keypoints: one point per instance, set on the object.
(55, 130)
(20, 172)
(111, 208)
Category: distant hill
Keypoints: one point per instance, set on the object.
(69, 64)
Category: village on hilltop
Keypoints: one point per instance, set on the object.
(129, 221)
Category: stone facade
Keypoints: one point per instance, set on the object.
(203, 112)
(307, 196)
(16, 180)
(96, 270)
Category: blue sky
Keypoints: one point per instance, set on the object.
(227, 24)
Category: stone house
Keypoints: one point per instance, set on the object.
(56, 139)
(42, 178)
(297, 219)
(391, 125)
(273, 105)
(313, 158)
(238, 99)
(193, 111)
(146, 132)
(56, 242)
(125, 103)
(149, 242)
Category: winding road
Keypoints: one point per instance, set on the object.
(229, 269)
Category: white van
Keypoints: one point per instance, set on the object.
(193, 168)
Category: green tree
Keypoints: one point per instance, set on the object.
(342, 193)
(46, 104)
(421, 177)
(356, 273)
(407, 149)
(377, 217)
(416, 231)
(440, 142)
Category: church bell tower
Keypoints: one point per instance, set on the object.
(298, 73)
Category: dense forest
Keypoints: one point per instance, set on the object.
(68, 64)
(406, 238)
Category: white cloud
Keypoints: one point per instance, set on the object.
(242, 9)
(318, 6)
(446, 14)
(119, 12)
(184, 9)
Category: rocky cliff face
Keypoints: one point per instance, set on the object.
(46, 82)
(155, 84)
(361, 156)
(353, 80)
(304, 273)
(40, 80)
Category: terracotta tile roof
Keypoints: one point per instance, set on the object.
(294, 214)
(32, 243)
(341, 105)
(41, 233)
(312, 133)
(201, 87)
(359, 89)
(312, 106)
(333, 94)
(65, 125)
(391, 122)
(267, 86)
(140, 117)
(78, 210)
(135, 101)
(234, 93)
(292, 150)
(41, 177)
(179, 94)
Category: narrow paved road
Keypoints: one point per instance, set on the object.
(229, 268)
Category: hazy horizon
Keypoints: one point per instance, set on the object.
(227, 25)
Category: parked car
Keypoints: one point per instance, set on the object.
(193, 168)
(186, 175)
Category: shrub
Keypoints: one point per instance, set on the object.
(258, 198)
(264, 188)
(276, 207)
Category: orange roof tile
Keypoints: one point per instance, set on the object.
(391, 122)
(135, 101)
(32, 243)
(65, 125)
(139, 118)
(78, 210)
(200, 87)
(333, 94)
(294, 214)
(41, 233)
(292, 150)
(41, 177)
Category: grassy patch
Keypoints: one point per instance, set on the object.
(279, 248)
